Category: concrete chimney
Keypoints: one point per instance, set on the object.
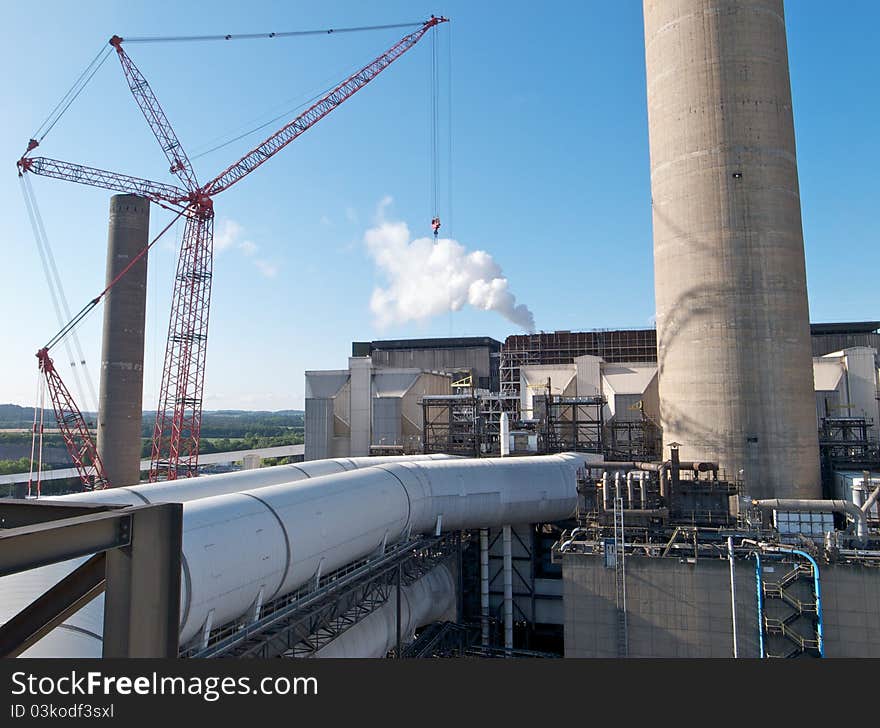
(122, 353)
(730, 284)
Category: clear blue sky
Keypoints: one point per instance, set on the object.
(549, 170)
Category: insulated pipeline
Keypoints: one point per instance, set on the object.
(272, 539)
(80, 635)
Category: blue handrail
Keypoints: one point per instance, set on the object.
(758, 581)
(816, 587)
(818, 599)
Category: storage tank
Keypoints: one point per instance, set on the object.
(733, 333)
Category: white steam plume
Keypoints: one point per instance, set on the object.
(427, 278)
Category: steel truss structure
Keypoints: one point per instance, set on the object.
(133, 558)
(447, 639)
(561, 347)
(176, 434)
(570, 423)
(301, 623)
(633, 439)
(463, 424)
(844, 445)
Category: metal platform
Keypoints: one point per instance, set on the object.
(301, 623)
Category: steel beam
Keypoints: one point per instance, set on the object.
(135, 556)
(51, 609)
(28, 547)
(15, 512)
(142, 603)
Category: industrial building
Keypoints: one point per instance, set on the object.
(375, 406)
(597, 405)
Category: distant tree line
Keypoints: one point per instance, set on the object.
(250, 441)
(242, 424)
(222, 431)
(21, 465)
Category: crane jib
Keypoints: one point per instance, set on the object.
(177, 431)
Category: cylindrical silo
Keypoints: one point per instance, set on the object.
(122, 355)
(736, 380)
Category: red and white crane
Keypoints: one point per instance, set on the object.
(175, 447)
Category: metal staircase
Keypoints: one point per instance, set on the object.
(796, 631)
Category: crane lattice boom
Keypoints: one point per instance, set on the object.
(73, 427)
(177, 431)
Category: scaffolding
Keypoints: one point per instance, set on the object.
(468, 423)
(561, 347)
(844, 445)
(569, 424)
(633, 439)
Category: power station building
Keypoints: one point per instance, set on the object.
(375, 406)
(409, 409)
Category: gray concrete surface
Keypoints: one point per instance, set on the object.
(677, 608)
(122, 351)
(730, 284)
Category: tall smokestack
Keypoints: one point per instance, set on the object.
(736, 380)
(122, 355)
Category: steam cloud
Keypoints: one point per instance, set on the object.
(427, 278)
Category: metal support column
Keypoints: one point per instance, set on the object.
(620, 577)
(508, 589)
(459, 579)
(133, 555)
(484, 584)
(732, 592)
(142, 600)
(397, 585)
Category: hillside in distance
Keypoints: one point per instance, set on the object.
(218, 423)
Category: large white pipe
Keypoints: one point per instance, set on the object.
(190, 489)
(430, 599)
(273, 539)
(81, 632)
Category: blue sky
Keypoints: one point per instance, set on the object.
(549, 151)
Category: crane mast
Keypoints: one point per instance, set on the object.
(177, 431)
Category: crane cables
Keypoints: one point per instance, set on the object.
(86, 310)
(59, 301)
(56, 290)
(265, 36)
(330, 82)
(218, 142)
(72, 93)
(435, 131)
(37, 436)
(222, 141)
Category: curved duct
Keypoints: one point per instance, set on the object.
(273, 540)
(859, 515)
(268, 541)
(429, 599)
(81, 632)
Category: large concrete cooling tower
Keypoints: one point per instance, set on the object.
(736, 380)
(122, 357)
